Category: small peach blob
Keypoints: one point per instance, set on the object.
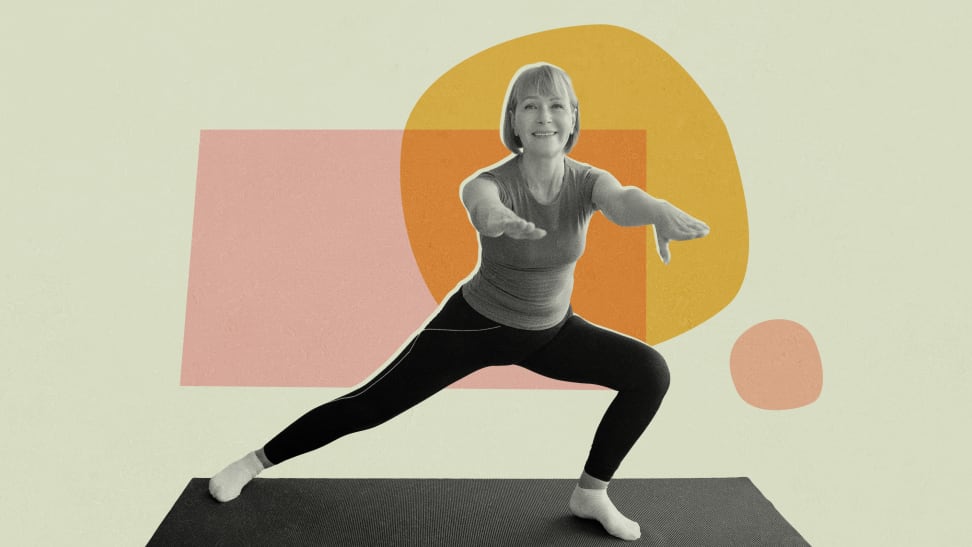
(775, 365)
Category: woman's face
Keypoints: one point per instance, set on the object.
(543, 123)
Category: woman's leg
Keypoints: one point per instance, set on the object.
(455, 343)
(429, 363)
(585, 353)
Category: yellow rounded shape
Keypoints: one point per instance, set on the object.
(644, 119)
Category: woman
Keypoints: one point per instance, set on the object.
(532, 212)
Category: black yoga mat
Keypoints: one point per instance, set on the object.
(461, 512)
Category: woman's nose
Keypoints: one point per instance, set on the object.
(544, 114)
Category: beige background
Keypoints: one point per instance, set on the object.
(850, 123)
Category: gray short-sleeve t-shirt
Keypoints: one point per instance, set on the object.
(527, 284)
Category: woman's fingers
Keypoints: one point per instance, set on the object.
(663, 251)
(678, 226)
(532, 232)
(698, 227)
(681, 226)
(695, 231)
(517, 228)
(693, 223)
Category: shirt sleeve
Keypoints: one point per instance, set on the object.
(501, 185)
(587, 177)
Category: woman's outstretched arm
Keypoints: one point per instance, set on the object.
(632, 206)
(488, 214)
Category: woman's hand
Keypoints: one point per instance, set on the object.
(490, 217)
(632, 206)
(508, 223)
(673, 224)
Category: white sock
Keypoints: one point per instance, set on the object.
(228, 483)
(595, 504)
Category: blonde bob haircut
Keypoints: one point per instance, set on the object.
(539, 79)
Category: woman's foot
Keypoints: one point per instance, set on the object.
(594, 504)
(228, 483)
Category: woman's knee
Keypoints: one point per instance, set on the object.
(650, 372)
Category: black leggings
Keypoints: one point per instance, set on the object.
(459, 341)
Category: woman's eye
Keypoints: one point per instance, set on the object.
(529, 106)
(560, 106)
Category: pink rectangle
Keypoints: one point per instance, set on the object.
(301, 272)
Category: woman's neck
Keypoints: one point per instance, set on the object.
(544, 175)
